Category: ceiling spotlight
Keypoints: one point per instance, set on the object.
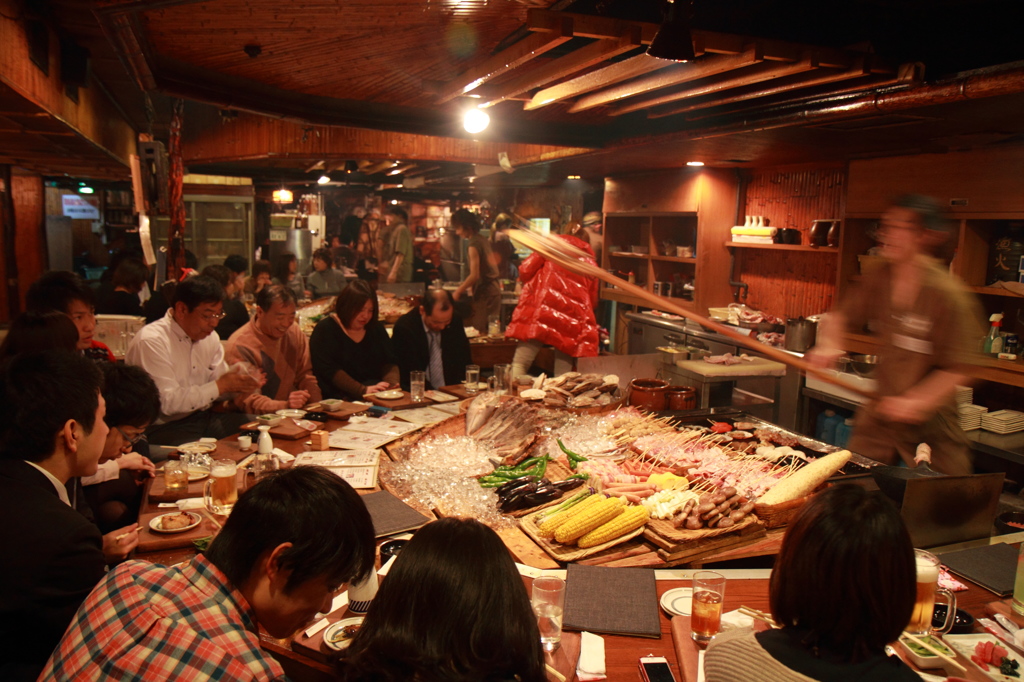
(394, 202)
(323, 180)
(283, 196)
(694, 163)
(84, 189)
(673, 40)
(475, 121)
(572, 177)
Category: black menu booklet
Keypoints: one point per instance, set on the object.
(615, 601)
(994, 567)
(390, 515)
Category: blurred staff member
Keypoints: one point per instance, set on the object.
(351, 351)
(368, 245)
(431, 338)
(123, 298)
(504, 250)
(396, 263)
(590, 232)
(482, 281)
(274, 343)
(929, 327)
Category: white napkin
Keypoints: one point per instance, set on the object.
(283, 456)
(734, 620)
(591, 663)
(191, 503)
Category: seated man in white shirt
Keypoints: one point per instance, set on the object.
(52, 430)
(186, 360)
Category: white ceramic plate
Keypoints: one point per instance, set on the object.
(196, 448)
(965, 644)
(393, 394)
(156, 523)
(677, 602)
(336, 628)
(293, 413)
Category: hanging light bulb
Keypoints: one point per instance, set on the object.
(283, 196)
(475, 121)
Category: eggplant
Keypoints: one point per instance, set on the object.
(515, 484)
(525, 498)
(568, 484)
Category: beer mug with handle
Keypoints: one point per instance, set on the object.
(927, 588)
(220, 493)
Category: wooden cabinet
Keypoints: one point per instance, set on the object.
(661, 211)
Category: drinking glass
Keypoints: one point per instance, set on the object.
(493, 325)
(501, 377)
(417, 384)
(927, 587)
(706, 609)
(548, 599)
(221, 490)
(472, 378)
(175, 475)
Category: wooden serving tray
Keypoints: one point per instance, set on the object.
(562, 552)
(403, 403)
(347, 410)
(287, 429)
(671, 536)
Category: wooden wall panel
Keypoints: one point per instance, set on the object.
(29, 217)
(792, 283)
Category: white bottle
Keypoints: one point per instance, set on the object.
(265, 444)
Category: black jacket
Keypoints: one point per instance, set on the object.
(53, 559)
(412, 349)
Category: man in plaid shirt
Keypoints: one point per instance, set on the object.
(288, 545)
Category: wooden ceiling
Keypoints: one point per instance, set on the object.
(774, 82)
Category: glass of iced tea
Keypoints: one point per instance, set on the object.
(927, 588)
(221, 490)
(175, 476)
(706, 610)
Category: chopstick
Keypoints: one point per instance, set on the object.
(558, 675)
(214, 521)
(929, 647)
(758, 615)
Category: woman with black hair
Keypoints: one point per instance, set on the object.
(123, 298)
(325, 280)
(453, 608)
(843, 588)
(286, 267)
(38, 331)
(350, 349)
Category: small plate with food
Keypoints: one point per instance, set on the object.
(292, 413)
(176, 522)
(196, 448)
(338, 635)
(993, 657)
(393, 394)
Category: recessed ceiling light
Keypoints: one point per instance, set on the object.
(475, 121)
(694, 163)
(572, 177)
(85, 190)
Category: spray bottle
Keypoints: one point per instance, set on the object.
(994, 342)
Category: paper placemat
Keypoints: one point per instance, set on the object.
(391, 515)
(616, 601)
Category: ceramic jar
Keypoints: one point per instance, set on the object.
(648, 394)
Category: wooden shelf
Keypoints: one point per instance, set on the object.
(674, 259)
(784, 247)
(627, 254)
(994, 291)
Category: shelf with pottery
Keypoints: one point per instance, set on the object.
(657, 249)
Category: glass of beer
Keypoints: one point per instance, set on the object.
(175, 476)
(927, 587)
(221, 490)
(706, 609)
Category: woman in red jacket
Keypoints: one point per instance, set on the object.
(556, 308)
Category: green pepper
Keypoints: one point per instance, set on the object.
(573, 458)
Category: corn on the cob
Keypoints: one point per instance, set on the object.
(549, 525)
(578, 526)
(629, 520)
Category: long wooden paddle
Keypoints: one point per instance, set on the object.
(569, 257)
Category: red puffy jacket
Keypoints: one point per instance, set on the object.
(556, 306)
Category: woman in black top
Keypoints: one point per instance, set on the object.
(350, 349)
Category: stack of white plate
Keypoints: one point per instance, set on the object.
(964, 395)
(970, 416)
(1003, 421)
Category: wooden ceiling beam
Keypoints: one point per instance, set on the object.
(583, 58)
(756, 74)
(515, 56)
(861, 69)
(682, 73)
(587, 26)
(595, 80)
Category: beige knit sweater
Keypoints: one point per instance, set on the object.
(736, 655)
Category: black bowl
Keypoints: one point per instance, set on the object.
(963, 624)
(391, 548)
(1003, 522)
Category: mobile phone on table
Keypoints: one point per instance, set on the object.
(656, 669)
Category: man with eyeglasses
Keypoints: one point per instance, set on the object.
(928, 326)
(275, 344)
(186, 360)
